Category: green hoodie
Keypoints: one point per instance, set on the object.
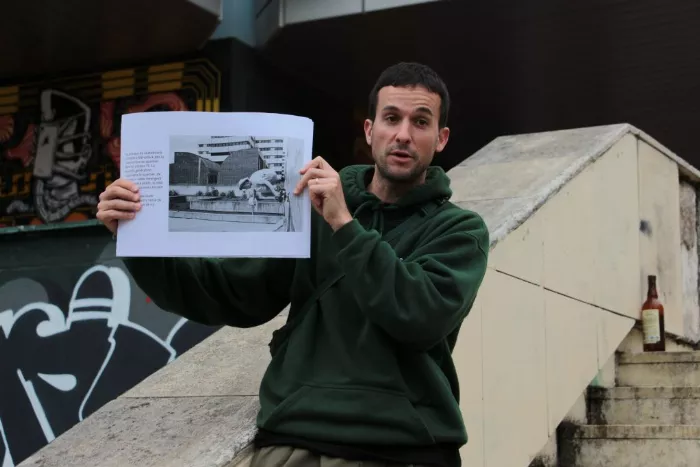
(365, 357)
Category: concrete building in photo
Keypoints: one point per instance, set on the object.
(272, 150)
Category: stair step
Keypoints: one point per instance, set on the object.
(653, 369)
(631, 446)
(644, 406)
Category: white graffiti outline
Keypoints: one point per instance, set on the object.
(175, 330)
(39, 412)
(7, 461)
(79, 309)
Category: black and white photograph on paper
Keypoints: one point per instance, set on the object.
(234, 183)
(216, 185)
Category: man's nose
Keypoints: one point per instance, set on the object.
(404, 132)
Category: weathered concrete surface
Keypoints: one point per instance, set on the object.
(644, 406)
(232, 363)
(145, 432)
(689, 261)
(513, 176)
(197, 411)
(633, 446)
(680, 369)
(547, 457)
(633, 343)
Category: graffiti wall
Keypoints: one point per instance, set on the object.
(75, 330)
(75, 333)
(60, 139)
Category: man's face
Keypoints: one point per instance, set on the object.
(405, 133)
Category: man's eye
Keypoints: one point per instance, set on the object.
(391, 118)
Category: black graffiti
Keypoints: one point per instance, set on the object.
(62, 363)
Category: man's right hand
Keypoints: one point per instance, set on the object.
(120, 200)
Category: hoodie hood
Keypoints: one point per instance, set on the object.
(360, 202)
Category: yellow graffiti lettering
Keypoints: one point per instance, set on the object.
(21, 186)
(91, 186)
(27, 186)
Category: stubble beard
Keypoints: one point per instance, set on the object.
(404, 178)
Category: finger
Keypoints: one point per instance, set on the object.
(124, 183)
(319, 190)
(322, 164)
(317, 161)
(323, 181)
(119, 192)
(118, 204)
(312, 163)
(111, 225)
(317, 202)
(112, 215)
(312, 173)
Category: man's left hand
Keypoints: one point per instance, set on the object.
(325, 191)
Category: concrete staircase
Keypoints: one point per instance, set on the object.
(650, 418)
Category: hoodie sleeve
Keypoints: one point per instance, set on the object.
(239, 292)
(421, 299)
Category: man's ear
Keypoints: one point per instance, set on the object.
(443, 137)
(368, 131)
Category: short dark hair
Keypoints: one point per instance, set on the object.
(409, 74)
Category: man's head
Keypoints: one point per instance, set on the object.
(407, 123)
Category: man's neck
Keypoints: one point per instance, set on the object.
(388, 191)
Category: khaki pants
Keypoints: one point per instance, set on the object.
(283, 456)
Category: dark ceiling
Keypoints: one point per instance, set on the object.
(46, 37)
(516, 67)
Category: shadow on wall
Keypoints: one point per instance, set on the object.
(72, 338)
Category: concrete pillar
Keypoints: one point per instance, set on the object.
(689, 261)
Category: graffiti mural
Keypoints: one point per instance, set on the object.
(60, 139)
(72, 343)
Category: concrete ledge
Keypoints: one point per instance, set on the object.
(659, 357)
(674, 369)
(149, 432)
(609, 432)
(263, 218)
(525, 171)
(627, 447)
(644, 406)
(197, 411)
(622, 393)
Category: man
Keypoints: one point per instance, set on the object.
(362, 372)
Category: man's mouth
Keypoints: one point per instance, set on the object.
(401, 154)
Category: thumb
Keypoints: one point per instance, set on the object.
(112, 226)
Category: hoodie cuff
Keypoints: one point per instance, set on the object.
(347, 233)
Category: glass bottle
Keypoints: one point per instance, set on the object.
(653, 330)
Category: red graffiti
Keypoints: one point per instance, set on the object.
(171, 101)
(24, 151)
(113, 149)
(106, 124)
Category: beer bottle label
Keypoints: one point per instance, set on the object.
(651, 326)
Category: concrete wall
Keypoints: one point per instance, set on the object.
(562, 292)
(75, 333)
